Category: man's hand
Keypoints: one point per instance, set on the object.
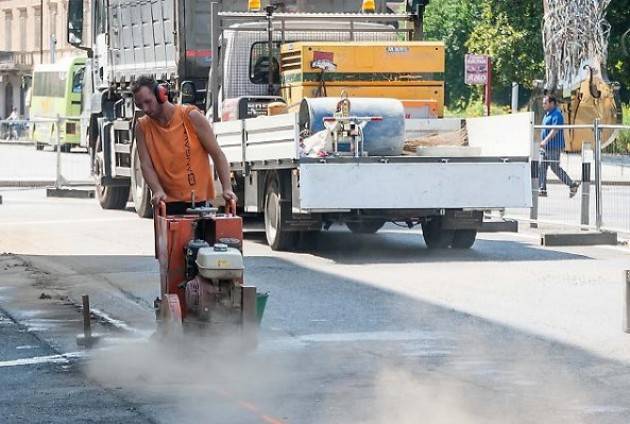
(228, 195)
(157, 197)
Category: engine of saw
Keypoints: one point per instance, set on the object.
(201, 270)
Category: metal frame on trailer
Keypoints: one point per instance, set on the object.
(222, 21)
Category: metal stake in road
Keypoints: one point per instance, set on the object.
(87, 339)
(87, 325)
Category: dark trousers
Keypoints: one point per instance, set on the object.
(551, 158)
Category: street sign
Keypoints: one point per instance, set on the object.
(476, 69)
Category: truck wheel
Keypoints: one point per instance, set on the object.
(278, 237)
(110, 197)
(140, 191)
(365, 227)
(436, 237)
(464, 239)
(39, 146)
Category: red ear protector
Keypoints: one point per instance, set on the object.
(161, 92)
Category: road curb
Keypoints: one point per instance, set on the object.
(71, 193)
(27, 184)
(586, 238)
(16, 143)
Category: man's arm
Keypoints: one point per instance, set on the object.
(551, 134)
(209, 142)
(148, 172)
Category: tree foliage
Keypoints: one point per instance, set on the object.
(510, 32)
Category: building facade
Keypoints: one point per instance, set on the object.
(29, 37)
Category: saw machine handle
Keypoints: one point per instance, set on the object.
(159, 211)
(162, 208)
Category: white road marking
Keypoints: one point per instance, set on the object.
(121, 325)
(50, 359)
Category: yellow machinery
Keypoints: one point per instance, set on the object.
(411, 71)
(594, 98)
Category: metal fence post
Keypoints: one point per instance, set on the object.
(598, 175)
(58, 143)
(587, 158)
(514, 97)
(626, 314)
(535, 168)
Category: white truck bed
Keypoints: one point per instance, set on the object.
(499, 177)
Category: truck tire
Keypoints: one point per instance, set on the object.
(140, 191)
(109, 197)
(435, 236)
(112, 197)
(278, 237)
(464, 239)
(364, 227)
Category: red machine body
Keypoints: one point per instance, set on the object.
(173, 233)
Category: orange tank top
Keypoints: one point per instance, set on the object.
(179, 159)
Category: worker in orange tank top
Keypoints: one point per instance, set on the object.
(174, 142)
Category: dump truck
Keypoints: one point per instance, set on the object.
(317, 112)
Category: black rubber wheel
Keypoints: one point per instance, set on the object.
(365, 227)
(110, 197)
(39, 146)
(65, 148)
(140, 191)
(464, 239)
(278, 237)
(435, 237)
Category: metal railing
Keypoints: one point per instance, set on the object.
(23, 168)
(605, 175)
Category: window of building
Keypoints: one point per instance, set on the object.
(37, 13)
(8, 30)
(52, 19)
(23, 30)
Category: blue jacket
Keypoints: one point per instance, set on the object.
(553, 117)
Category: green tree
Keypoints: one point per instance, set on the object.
(510, 31)
(508, 37)
(452, 21)
(619, 60)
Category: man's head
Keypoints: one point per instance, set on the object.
(549, 102)
(145, 90)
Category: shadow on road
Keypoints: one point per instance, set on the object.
(399, 247)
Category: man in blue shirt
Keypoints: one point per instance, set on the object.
(551, 147)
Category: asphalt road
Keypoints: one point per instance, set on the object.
(365, 329)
